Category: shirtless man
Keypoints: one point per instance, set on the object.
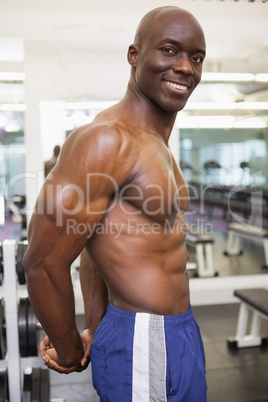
(117, 192)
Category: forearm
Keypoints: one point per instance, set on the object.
(53, 300)
(94, 292)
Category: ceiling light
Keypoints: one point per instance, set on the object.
(227, 77)
(223, 122)
(205, 121)
(250, 123)
(261, 77)
(89, 105)
(12, 127)
(13, 107)
(12, 76)
(234, 77)
(252, 105)
(226, 106)
(210, 106)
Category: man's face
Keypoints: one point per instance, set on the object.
(170, 59)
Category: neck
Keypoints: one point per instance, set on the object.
(150, 117)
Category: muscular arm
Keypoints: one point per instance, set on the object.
(77, 192)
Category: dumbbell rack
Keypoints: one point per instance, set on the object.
(11, 291)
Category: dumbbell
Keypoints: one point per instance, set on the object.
(28, 326)
(4, 391)
(36, 385)
(21, 249)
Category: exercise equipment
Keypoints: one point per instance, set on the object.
(1, 265)
(4, 393)
(22, 322)
(19, 333)
(36, 386)
(2, 209)
(3, 345)
(28, 326)
(21, 249)
(10, 294)
(249, 232)
(32, 326)
(202, 243)
(255, 301)
(249, 201)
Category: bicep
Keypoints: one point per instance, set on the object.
(59, 227)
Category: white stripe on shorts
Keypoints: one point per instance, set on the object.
(149, 359)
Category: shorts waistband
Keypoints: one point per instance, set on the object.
(129, 317)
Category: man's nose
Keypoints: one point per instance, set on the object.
(183, 65)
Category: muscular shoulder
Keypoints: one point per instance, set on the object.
(107, 148)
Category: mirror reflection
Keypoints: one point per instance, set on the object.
(226, 170)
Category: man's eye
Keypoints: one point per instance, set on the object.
(168, 50)
(197, 59)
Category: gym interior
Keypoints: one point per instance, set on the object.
(63, 62)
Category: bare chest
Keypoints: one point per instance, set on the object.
(158, 189)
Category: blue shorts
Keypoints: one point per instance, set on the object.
(141, 357)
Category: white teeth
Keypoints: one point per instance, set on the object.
(177, 86)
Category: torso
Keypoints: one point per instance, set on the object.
(139, 247)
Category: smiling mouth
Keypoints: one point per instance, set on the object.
(176, 86)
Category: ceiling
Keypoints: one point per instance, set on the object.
(235, 30)
(90, 33)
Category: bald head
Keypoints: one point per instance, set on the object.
(152, 16)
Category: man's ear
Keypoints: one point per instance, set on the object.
(133, 55)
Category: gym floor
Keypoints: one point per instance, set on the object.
(233, 376)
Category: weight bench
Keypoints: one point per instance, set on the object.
(250, 232)
(256, 301)
(202, 243)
